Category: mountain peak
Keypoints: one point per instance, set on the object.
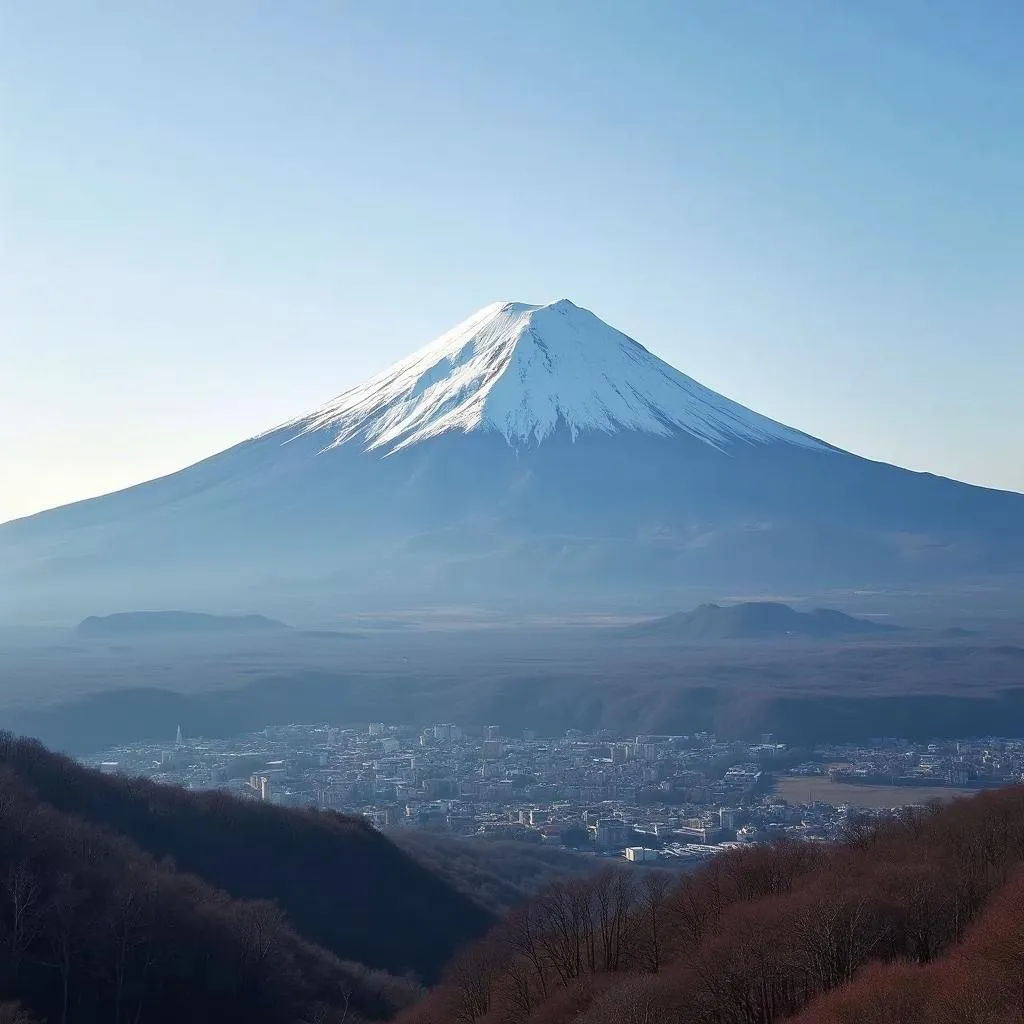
(527, 372)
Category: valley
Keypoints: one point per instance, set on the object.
(87, 696)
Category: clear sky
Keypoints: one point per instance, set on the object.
(216, 215)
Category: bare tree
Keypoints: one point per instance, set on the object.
(472, 977)
(22, 893)
(613, 899)
(61, 922)
(654, 889)
(338, 1013)
(132, 946)
(522, 934)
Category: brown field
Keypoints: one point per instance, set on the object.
(798, 790)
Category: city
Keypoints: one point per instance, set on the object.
(645, 798)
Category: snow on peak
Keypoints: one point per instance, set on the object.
(524, 371)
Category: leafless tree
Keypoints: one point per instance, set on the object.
(23, 895)
(653, 891)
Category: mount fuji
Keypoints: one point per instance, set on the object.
(532, 455)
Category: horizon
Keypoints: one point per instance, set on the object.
(214, 222)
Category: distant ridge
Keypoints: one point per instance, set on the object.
(756, 620)
(122, 624)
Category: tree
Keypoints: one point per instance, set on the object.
(61, 924)
(653, 892)
(22, 894)
(471, 979)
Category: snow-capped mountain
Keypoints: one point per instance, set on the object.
(525, 371)
(530, 455)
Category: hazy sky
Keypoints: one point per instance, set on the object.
(216, 215)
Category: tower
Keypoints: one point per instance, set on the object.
(178, 740)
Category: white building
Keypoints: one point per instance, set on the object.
(640, 854)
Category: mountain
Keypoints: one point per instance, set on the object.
(757, 620)
(123, 624)
(532, 455)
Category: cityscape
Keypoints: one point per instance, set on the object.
(645, 798)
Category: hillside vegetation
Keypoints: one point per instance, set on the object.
(126, 901)
(908, 922)
(130, 902)
(342, 884)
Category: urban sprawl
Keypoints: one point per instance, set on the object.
(644, 798)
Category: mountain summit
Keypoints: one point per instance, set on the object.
(531, 456)
(524, 372)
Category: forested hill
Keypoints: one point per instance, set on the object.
(914, 921)
(128, 902)
(119, 889)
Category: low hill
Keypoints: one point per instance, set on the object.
(340, 884)
(756, 620)
(914, 920)
(129, 624)
(93, 928)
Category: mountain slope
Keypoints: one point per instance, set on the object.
(531, 456)
(756, 620)
(341, 884)
(95, 928)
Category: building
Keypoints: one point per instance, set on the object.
(446, 732)
(493, 732)
(696, 830)
(260, 785)
(611, 834)
(640, 854)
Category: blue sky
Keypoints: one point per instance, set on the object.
(218, 215)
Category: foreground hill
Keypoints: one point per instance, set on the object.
(346, 892)
(531, 456)
(759, 936)
(757, 620)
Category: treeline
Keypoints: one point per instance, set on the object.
(94, 929)
(342, 884)
(979, 981)
(762, 935)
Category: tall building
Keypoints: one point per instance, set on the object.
(178, 740)
(611, 833)
(261, 785)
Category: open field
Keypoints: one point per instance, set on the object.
(800, 789)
